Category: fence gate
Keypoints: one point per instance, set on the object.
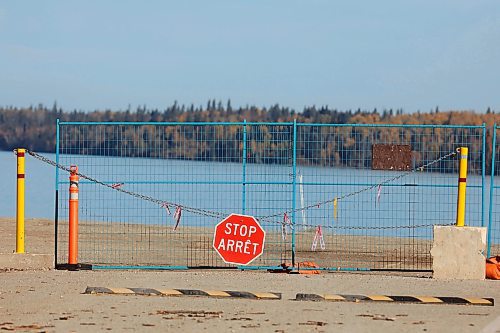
(347, 197)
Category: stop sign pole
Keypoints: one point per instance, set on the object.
(239, 239)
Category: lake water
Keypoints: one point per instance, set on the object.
(421, 198)
(40, 185)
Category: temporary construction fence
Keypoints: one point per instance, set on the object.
(345, 196)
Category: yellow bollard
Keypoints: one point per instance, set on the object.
(462, 184)
(20, 201)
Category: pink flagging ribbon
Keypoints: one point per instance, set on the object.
(177, 216)
(286, 222)
(318, 236)
(379, 192)
(167, 208)
(116, 185)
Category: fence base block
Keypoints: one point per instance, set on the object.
(458, 253)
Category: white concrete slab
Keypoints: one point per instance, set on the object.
(458, 253)
(15, 261)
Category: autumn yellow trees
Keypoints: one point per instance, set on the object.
(347, 146)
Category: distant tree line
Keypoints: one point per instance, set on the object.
(35, 129)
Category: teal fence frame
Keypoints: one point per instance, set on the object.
(494, 213)
(264, 170)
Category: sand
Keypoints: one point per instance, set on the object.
(52, 301)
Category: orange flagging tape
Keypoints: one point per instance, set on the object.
(303, 267)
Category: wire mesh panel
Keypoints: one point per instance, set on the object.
(494, 213)
(383, 218)
(199, 169)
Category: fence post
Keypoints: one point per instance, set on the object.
(294, 187)
(244, 192)
(483, 174)
(20, 201)
(462, 184)
(73, 216)
(492, 188)
(56, 209)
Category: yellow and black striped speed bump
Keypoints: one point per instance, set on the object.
(183, 292)
(396, 299)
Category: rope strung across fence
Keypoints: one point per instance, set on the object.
(368, 188)
(351, 194)
(286, 222)
(162, 203)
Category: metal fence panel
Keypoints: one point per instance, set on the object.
(388, 226)
(223, 168)
(280, 173)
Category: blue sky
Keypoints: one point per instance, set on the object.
(414, 55)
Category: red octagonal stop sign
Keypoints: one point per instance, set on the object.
(239, 239)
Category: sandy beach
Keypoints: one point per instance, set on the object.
(53, 301)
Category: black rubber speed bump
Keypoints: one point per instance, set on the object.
(396, 299)
(183, 292)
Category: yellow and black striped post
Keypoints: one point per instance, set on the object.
(20, 201)
(462, 184)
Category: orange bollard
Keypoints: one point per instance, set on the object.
(73, 216)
